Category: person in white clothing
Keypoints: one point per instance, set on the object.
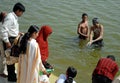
(30, 63)
(68, 78)
(9, 31)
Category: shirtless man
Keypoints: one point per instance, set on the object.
(83, 27)
(96, 33)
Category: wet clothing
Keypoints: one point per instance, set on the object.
(99, 42)
(82, 37)
(97, 32)
(44, 32)
(105, 68)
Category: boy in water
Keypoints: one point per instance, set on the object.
(96, 33)
(83, 27)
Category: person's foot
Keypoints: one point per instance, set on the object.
(3, 75)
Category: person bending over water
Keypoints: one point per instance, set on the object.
(42, 40)
(105, 70)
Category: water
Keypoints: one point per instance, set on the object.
(63, 16)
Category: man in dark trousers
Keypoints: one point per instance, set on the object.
(9, 31)
(105, 70)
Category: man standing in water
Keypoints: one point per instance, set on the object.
(96, 33)
(83, 27)
(9, 31)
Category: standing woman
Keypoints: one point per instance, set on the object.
(44, 32)
(30, 59)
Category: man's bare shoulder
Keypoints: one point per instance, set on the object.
(92, 27)
(101, 26)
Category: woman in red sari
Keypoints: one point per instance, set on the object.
(44, 32)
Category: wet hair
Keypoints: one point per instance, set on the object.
(84, 14)
(1, 16)
(111, 57)
(71, 73)
(18, 6)
(95, 20)
(25, 38)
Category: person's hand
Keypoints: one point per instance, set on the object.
(20, 33)
(8, 45)
(46, 73)
(89, 43)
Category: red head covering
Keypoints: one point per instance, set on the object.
(44, 32)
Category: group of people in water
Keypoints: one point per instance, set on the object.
(94, 34)
(106, 68)
(34, 52)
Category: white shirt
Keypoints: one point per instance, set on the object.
(10, 27)
(62, 78)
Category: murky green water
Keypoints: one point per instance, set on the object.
(63, 16)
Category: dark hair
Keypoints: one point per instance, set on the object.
(1, 17)
(84, 14)
(71, 73)
(24, 40)
(69, 80)
(111, 57)
(95, 20)
(18, 6)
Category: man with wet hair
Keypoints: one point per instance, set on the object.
(9, 31)
(105, 70)
(96, 33)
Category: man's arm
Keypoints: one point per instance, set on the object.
(90, 37)
(88, 30)
(4, 31)
(78, 28)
